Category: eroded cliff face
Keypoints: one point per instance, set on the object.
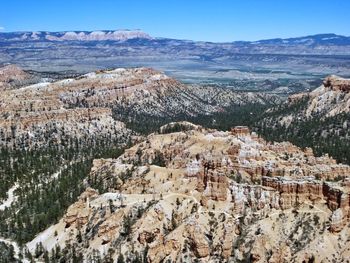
(295, 192)
(204, 194)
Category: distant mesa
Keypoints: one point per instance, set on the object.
(101, 35)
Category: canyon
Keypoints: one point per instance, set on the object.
(183, 192)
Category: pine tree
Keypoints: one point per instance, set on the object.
(120, 258)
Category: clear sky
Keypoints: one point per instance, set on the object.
(215, 20)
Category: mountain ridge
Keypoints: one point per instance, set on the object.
(137, 33)
(84, 52)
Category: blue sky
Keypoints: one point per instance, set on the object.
(216, 20)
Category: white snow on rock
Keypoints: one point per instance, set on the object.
(10, 199)
(118, 35)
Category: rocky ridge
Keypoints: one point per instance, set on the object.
(319, 119)
(211, 195)
(330, 99)
(92, 104)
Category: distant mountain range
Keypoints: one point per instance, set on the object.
(84, 51)
(320, 39)
(123, 35)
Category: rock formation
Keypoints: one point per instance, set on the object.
(298, 191)
(337, 83)
(240, 131)
(204, 194)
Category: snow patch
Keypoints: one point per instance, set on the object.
(10, 199)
